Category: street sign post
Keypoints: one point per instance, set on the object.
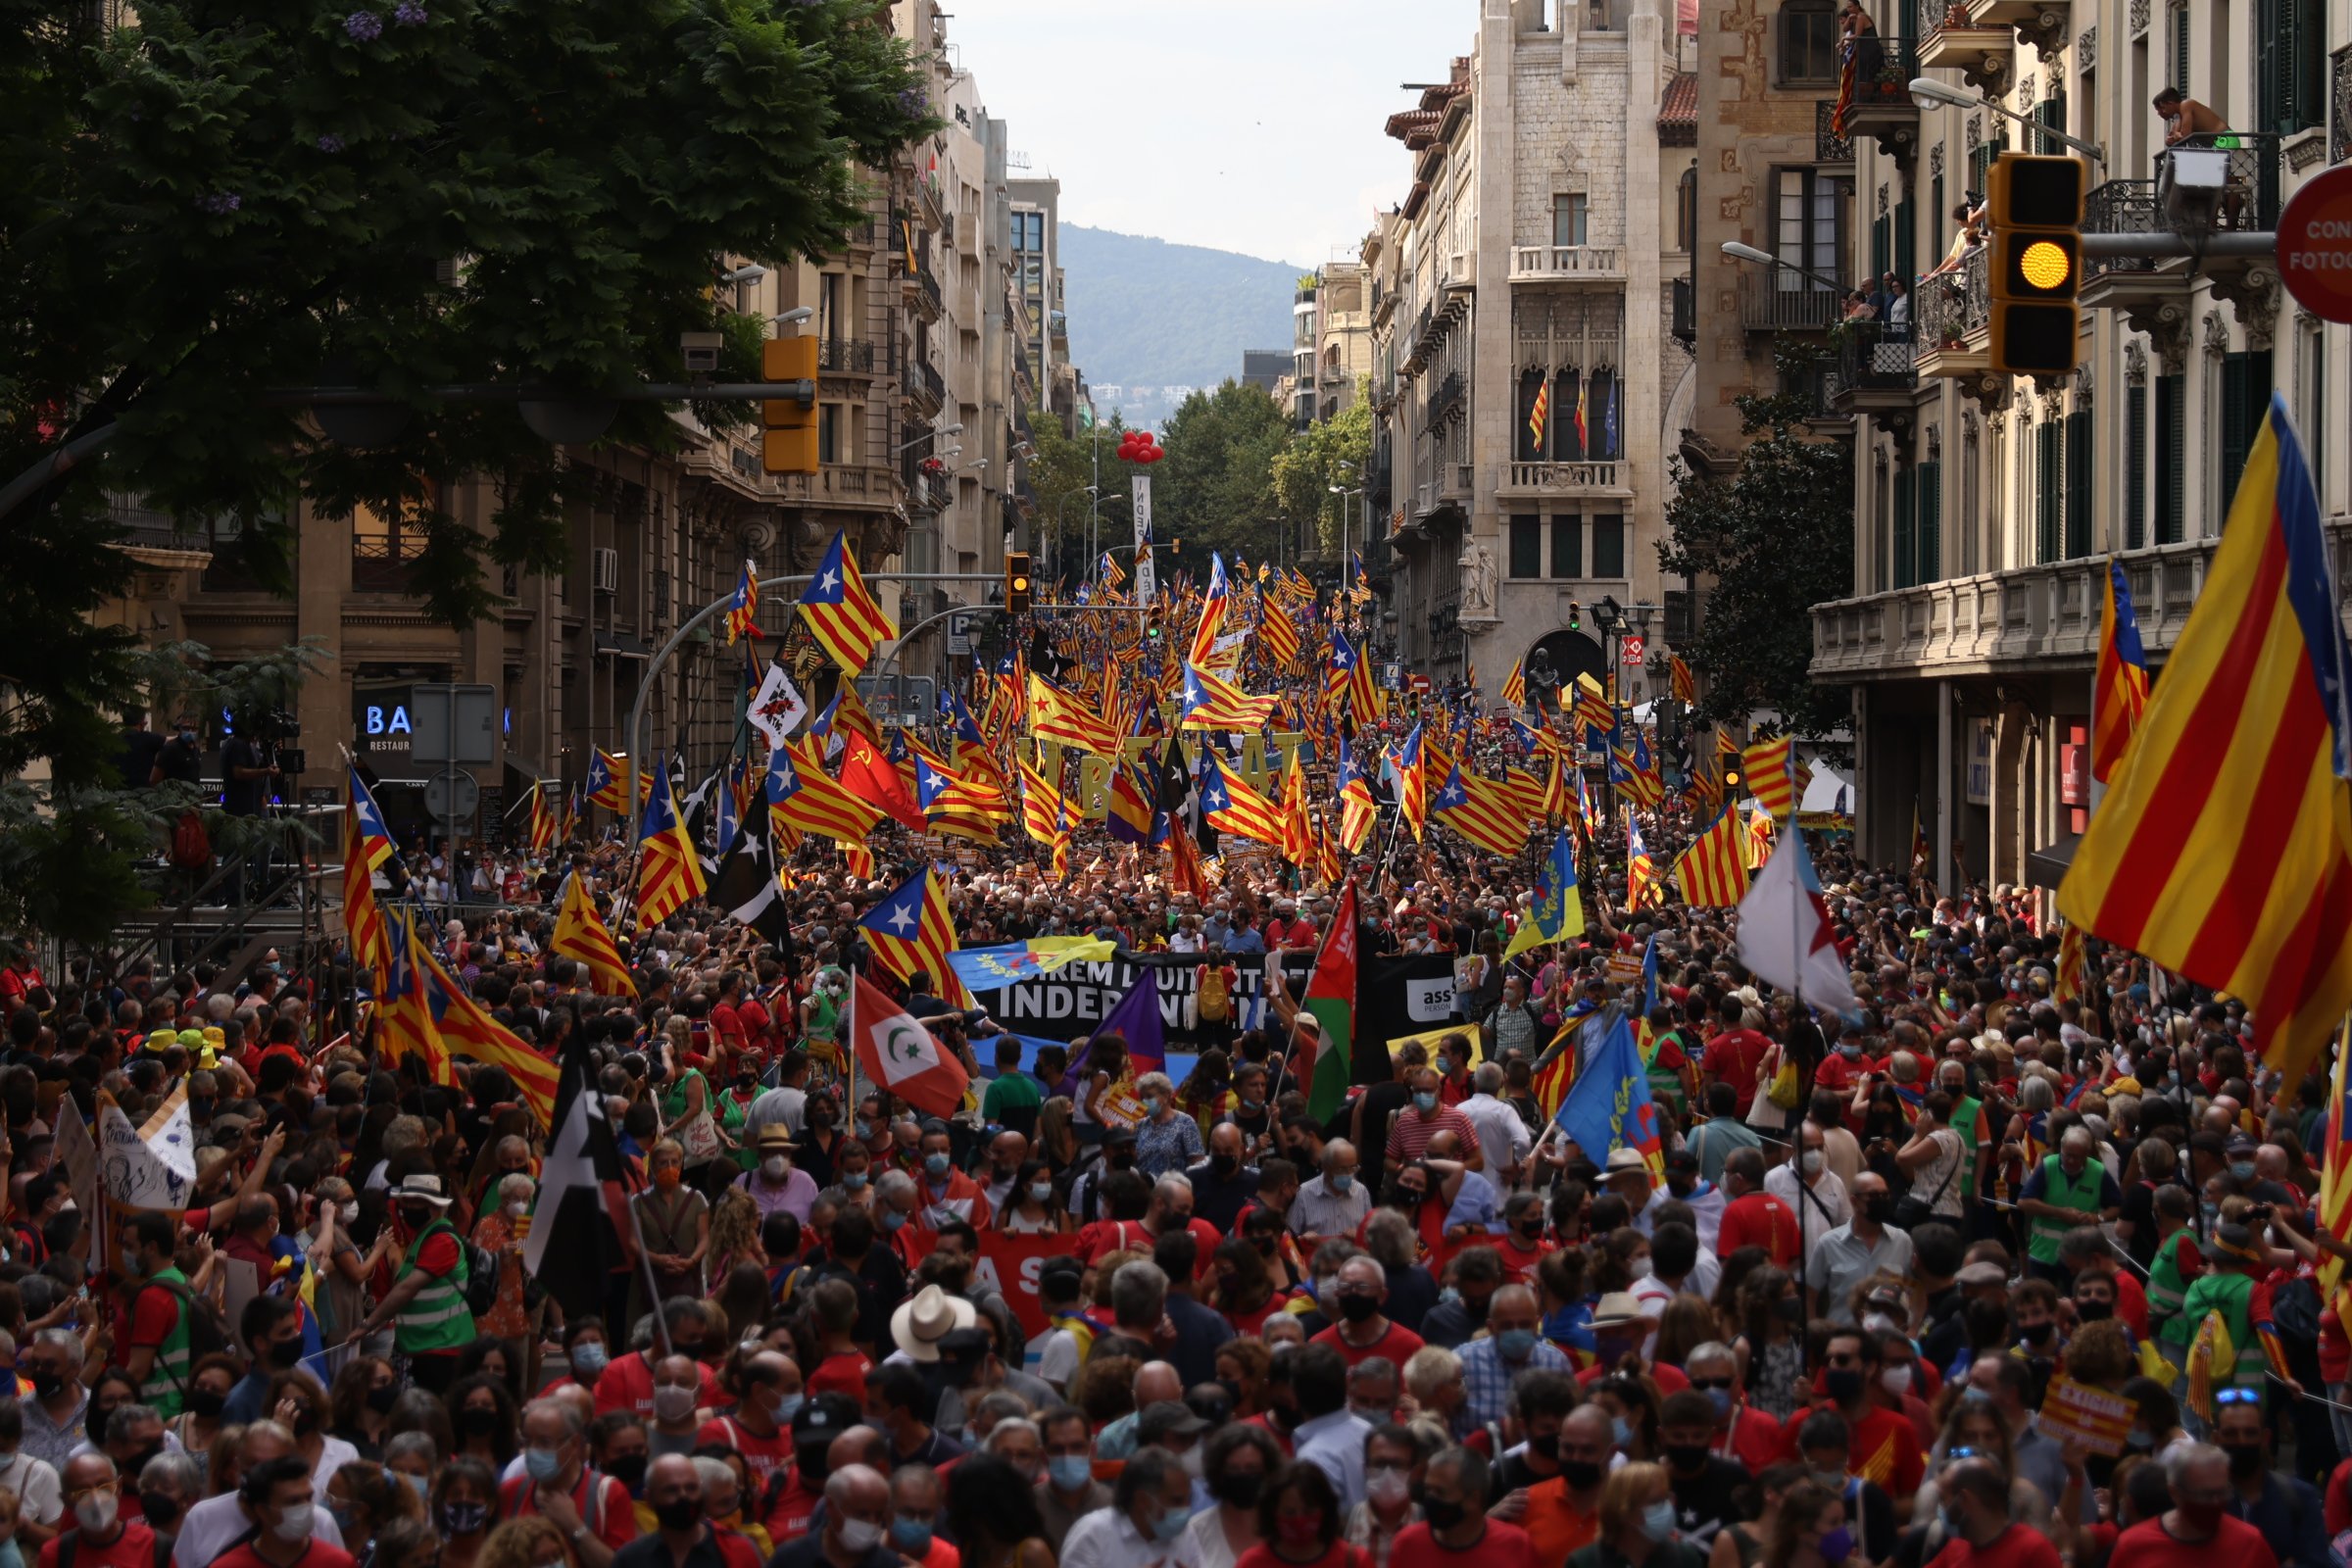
(456, 725)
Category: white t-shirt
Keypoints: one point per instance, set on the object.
(217, 1524)
(34, 1482)
(1053, 1356)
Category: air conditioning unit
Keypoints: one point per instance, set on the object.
(604, 571)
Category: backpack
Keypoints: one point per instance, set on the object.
(191, 844)
(1215, 1002)
(208, 1332)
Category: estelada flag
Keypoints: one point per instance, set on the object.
(901, 1056)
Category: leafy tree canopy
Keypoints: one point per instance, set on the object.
(1774, 538)
(1216, 489)
(1337, 451)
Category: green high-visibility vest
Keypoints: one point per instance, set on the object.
(2080, 1193)
(2166, 1287)
(165, 1386)
(436, 1318)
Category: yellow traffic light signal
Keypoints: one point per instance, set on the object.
(1017, 582)
(2034, 210)
(787, 443)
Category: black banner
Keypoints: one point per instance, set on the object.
(1069, 1002)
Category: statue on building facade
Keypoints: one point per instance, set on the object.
(1478, 581)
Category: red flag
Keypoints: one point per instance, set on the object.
(901, 1056)
(868, 776)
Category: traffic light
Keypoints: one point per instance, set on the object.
(1016, 582)
(2034, 210)
(1731, 781)
(787, 443)
(1152, 624)
(1576, 616)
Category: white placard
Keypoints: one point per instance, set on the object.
(1145, 592)
(152, 1166)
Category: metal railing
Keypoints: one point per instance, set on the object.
(2249, 202)
(2121, 206)
(1562, 479)
(1767, 305)
(843, 354)
(1601, 262)
(385, 565)
(1828, 146)
(1887, 89)
(1443, 400)
(1873, 357)
(924, 380)
(1945, 309)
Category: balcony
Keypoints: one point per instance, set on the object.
(1980, 52)
(385, 564)
(2043, 24)
(1952, 319)
(2247, 166)
(1876, 371)
(920, 286)
(2026, 619)
(1596, 264)
(1828, 146)
(1443, 400)
(1882, 109)
(2123, 282)
(847, 355)
(1605, 479)
(1456, 481)
(1685, 311)
(155, 538)
(850, 483)
(921, 385)
(1781, 301)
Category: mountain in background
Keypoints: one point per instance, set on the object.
(1148, 314)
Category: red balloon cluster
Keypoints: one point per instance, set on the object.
(1141, 445)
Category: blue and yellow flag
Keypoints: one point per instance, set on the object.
(1559, 911)
(1609, 1107)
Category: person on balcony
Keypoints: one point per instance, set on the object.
(2185, 118)
(1858, 36)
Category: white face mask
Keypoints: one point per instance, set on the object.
(1388, 1486)
(672, 1403)
(1812, 1161)
(96, 1512)
(859, 1536)
(1895, 1380)
(776, 1167)
(296, 1524)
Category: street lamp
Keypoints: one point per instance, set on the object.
(792, 318)
(1748, 253)
(1929, 94)
(928, 435)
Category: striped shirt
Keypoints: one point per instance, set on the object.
(1410, 1133)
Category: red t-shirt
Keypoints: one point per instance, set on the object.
(2149, 1545)
(1281, 1439)
(317, 1554)
(153, 1317)
(1518, 1262)
(1671, 1379)
(1882, 1447)
(2336, 1498)
(1396, 1345)
(841, 1372)
(726, 1021)
(1501, 1547)
(610, 1516)
(2014, 1547)
(1759, 1219)
(1341, 1556)
(789, 1519)
(765, 1455)
(628, 1385)
(1752, 1439)
(1734, 1056)
(134, 1547)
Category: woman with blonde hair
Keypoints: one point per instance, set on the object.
(1166, 1140)
(530, 1542)
(734, 1233)
(1638, 1524)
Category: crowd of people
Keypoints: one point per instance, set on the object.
(1851, 1315)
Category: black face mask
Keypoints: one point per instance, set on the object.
(1686, 1456)
(1358, 1308)
(1122, 1160)
(2094, 1311)
(2245, 1460)
(628, 1469)
(47, 1385)
(1224, 1165)
(1581, 1475)
(810, 1459)
(138, 1462)
(1545, 1446)
(1442, 1513)
(1844, 1384)
(475, 1423)
(1241, 1489)
(1878, 1210)
(2037, 1332)
(381, 1399)
(207, 1403)
(283, 1354)
(160, 1508)
(1265, 1244)
(678, 1514)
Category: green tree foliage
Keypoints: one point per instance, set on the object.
(1772, 539)
(1061, 470)
(1335, 451)
(1216, 489)
(216, 201)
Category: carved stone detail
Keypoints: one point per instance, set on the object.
(2165, 326)
(1936, 158)
(2045, 30)
(2087, 48)
(2254, 296)
(1989, 391)
(1881, 199)
(1974, 134)
(2135, 364)
(2217, 333)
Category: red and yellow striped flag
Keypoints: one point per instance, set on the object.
(581, 933)
(1771, 769)
(1679, 680)
(1514, 685)
(1711, 873)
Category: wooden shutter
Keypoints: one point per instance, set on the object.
(2172, 459)
(1906, 244)
(1881, 255)
(2135, 467)
(2049, 453)
(1931, 521)
(2237, 436)
(1906, 528)
(2079, 455)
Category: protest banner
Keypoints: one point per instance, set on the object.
(1008, 1265)
(2097, 1420)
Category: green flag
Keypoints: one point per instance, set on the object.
(1331, 1002)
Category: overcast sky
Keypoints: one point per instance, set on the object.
(1249, 126)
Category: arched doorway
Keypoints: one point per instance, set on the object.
(1555, 660)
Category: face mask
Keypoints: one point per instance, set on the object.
(892, 1219)
(1042, 1192)
(2242, 1169)
(1581, 1475)
(204, 1403)
(464, 1518)
(1298, 1529)
(628, 1469)
(1170, 1523)
(1150, 1105)
(1071, 1471)
(935, 1165)
(1972, 1395)
(1812, 1161)
(2094, 1311)
(1844, 1384)
(677, 1516)
(1358, 1308)
(159, 1508)
(2245, 1460)
(1442, 1513)
(1621, 1431)
(1341, 1184)
(96, 1512)
(1240, 1489)
(1517, 1344)
(1895, 1380)
(588, 1357)
(296, 1524)
(1836, 1545)
(544, 1464)
(1657, 1520)
(1388, 1486)
(476, 1423)
(1425, 1102)
(2036, 1333)
(673, 1403)
(1722, 1399)
(283, 1354)
(776, 1167)
(130, 1259)
(910, 1536)
(1850, 1052)
(858, 1537)
(1225, 1165)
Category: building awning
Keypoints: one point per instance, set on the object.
(2046, 866)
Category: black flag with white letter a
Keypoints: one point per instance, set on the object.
(581, 1226)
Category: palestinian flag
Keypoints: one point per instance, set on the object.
(1331, 1000)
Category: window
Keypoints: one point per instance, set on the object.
(1931, 521)
(2290, 53)
(1808, 42)
(2050, 488)
(1906, 242)
(1527, 545)
(2312, 417)
(2049, 114)
(1608, 544)
(2135, 467)
(1906, 528)
(2181, 44)
(2245, 398)
(2172, 459)
(1569, 214)
(1685, 210)
(2078, 456)
(1808, 212)
(1935, 214)
(1882, 248)
(1568, 547)
(830, 292)
(829, 426)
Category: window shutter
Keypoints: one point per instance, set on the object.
(1906, 243)
(2180, 46)
(1931, 521)
(2049, 496)
(2172, 459)
(2237, 436)
(1906, 528)
(2078, 484)
(2135, 467)
(1880, 252)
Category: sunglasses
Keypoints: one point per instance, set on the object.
(2237, 1397)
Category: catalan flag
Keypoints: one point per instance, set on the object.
(963, 807)
(1585, 811)
(1583, 440)
(367, 846)
(2073, 966)
(803, 797)
(1481, 810)
(2120, 687)
(1592, 711)
(1277, 634)
(1514, 685)
(846, 619)
(1213, 614)
(743, 610)
(2223, 850)
(1539, 414)
(404, 1019)
(1056, 715)
(1412, 784)
(1213, 702)
(581, 934)
(1679, 681)
(1633, 771)
(1297, 833)
(1041, 805)
(1760, 835)
(1357, 812)
(2336, 1186)
(669, 873)
(1712, 874)
(1109, 572)
(1230, 806)
(1642, 885)
(911, 934)
(1771, 769)
(1350, 677)
(1184, 874)
(1064, 824)
(547, 819)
